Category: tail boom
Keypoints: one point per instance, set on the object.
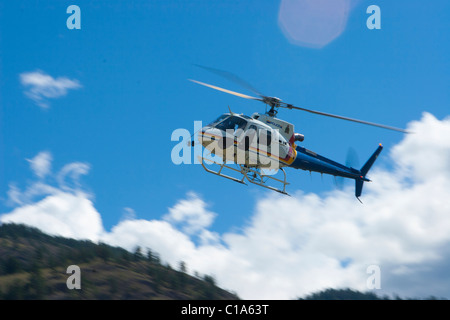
(311, 161)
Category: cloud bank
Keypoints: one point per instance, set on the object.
(40, 86)
(291, 246)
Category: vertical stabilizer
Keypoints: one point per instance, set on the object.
(366, 167)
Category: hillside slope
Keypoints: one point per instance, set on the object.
(33, 265)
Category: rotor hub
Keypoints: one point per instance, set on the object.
(274, 103)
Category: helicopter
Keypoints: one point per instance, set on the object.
(255, 148)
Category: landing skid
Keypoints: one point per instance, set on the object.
(252, 175)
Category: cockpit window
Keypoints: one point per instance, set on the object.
(232, 123)
(219, 119)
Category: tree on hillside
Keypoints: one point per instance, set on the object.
(138, 256)
(182, 267)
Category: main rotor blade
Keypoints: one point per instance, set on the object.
(289, 106)
(226, 90)
(232, 77)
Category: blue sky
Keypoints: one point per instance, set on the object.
(130, 62)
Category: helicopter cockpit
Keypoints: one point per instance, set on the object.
(237, 124)
(229, 122)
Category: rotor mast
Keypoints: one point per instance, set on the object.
(274, 104)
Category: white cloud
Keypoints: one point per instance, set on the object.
(72, 170)
(128, 214)
(57, 210)
(29, 195)
(41, 86)
(296, 245)
(41, 163)
(65, 214)
(158, 235)
(191, 214)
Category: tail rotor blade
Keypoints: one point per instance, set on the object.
(352, 159)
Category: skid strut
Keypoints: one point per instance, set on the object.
(251, 174)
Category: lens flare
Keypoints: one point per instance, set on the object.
(314, 23)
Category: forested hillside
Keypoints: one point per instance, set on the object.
(349, 294)
(33, 265)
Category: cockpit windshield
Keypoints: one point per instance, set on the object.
(219, 119)
(232, 123)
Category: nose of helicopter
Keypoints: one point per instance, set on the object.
(213, 138)
(207, 135)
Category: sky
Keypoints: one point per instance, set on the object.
(87, 116)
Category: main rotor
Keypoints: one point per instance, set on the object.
(274, 103)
